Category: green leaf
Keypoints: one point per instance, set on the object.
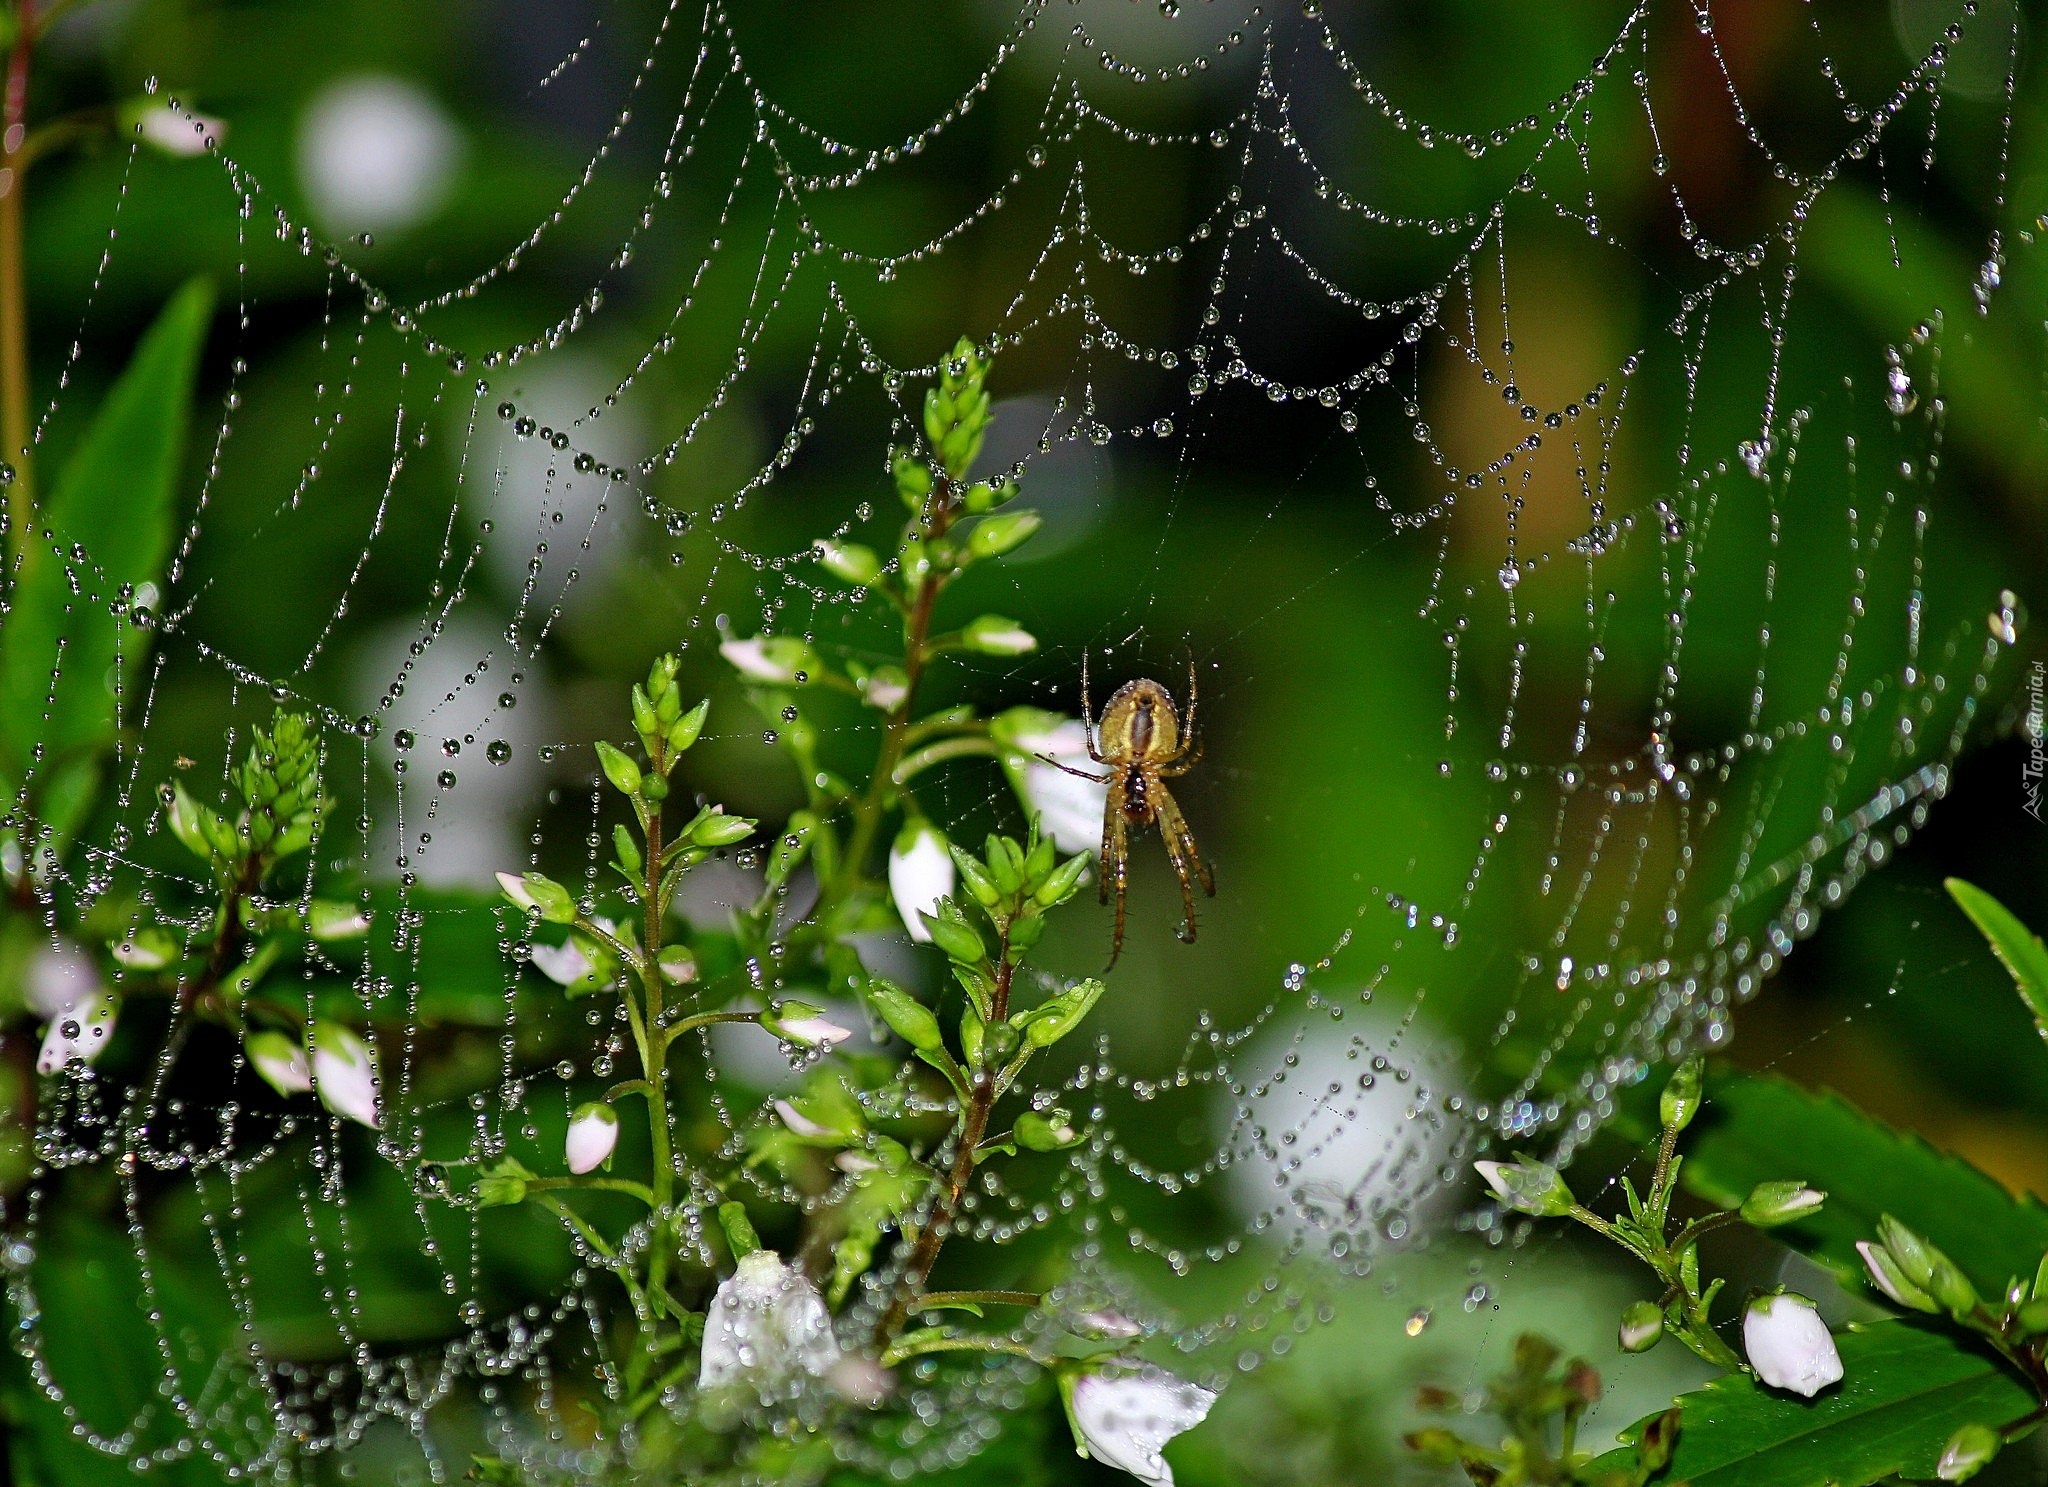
(116, 501)
(1905, 1390)
(2023, 953)
(1756, 1128)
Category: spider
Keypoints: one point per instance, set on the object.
(1143, 745)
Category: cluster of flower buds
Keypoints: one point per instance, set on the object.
(282, 803)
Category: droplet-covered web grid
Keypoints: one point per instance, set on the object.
(1651, 789)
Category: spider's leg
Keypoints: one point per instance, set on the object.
(1182, 761)
(1099, 779)
(1115, 863)
(1088, 714)
(1180, 846)
(1194, 701)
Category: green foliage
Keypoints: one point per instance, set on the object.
(78, 605)
(1906, 1390)
(2019, 949)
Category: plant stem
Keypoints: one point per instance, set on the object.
(917, 652)
(654, 1053)
(974, 1125)
(14, 418)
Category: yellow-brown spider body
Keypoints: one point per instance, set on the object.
(1141, 744)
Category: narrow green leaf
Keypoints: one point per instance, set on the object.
(2023, 953)
(114, 503)
(1756, 1128)
(1906, 1388)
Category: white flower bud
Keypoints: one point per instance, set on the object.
(60, 978)
(78, 1033)
(799, 1123)
(280, 1061)
(344, 1072)
(813, 1032)
(593, 1132)
(1069, 808)
(1123, 1416)
(920, 874)
(1788, 1344)
(767, 1327)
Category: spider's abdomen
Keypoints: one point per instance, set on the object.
(1140, 723)
(1137, 802)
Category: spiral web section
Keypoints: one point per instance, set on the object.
(1640, 790)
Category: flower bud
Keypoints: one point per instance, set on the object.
(1680, 1101)
(770, 658)
(593, 1133)
(950, 931)
(626, 849)
(1788, 1344)
(767, 1328)
(1888, 1277)
(1052, 1131)
(1052, 1020)
(800, 1022)
(1773, 1203)
(146, 947)
(1062, 881)
(682, 733)
(980, 885)
(678, 966)
(541, 894)
(907, 1017)
(996, 535)
(992, 635)
(1528, 1186)
(344, 1073)
(1929, 1270)
(619, 769)
(1968, 1451)
(329, 922)
(279, 1061)
(720, 830)
(920, 874)
(1642, 1324)
(848, 560)
(78, 1033)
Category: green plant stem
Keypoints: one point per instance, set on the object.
(981, 1100)
(667, 1036)
(930, 1340)
(917, 653)
(14, 416)
(654, 1053)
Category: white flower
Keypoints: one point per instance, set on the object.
(920, 874)
(1123, 1416)
(564, 964)
(344, 1072)
(1788, 1344)
(376, 153)
(60, 978)
(1069, 808)
(767, 1327)
(78, 1033)
(280, 1061)
(593, 1132)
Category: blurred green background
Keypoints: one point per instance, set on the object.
(1375, 698)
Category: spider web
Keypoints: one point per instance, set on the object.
(1385, 382)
